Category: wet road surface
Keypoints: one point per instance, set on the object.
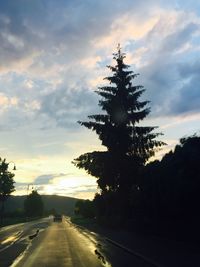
(14, 239)
(63, 244)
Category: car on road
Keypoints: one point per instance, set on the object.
(57, 218)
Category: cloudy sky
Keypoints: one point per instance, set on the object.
(53, 55)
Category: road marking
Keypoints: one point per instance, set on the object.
(15, 238)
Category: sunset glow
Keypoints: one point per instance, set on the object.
(54, 56)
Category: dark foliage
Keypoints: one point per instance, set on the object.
(52, 204)
(171, 186)
(167, 196)
(84, 208)
(6, 184)
(33, 205)
(6, 180)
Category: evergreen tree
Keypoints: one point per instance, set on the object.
(129, 146)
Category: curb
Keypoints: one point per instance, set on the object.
(128, 250)
(134, 253)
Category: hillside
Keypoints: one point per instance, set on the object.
(61, 204)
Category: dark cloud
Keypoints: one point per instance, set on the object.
(189, 69)
(179, 38)
(52, 33)
(169, 80)
(61, 33)
(17, 40)
(66, 107)
(46, 179)
(53, 26)
(189, 94)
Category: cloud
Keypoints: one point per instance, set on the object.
(174, 42)
(31, 30)
(44, 179)
(53, 55)
(189, 94)
(60, 184)
(66, 107)
(36, 41)
(165, 60)
(67, 59)
(6, 102)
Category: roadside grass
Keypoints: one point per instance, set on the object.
(10, 221)
(85, 222)
(15, 220)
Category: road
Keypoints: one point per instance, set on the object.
(60, 244)
(15, 239)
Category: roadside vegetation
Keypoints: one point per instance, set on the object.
(53, 204)
(33, 205)
(33, 209)
(6, 186)
(159, 197)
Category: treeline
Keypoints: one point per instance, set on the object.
(32, 207)
(36, 205)
(170, 187)
(157, 196)
(166, 190)
(165, 199)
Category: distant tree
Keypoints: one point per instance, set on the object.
(33, 204)
(128, 145)
(6, 184)
(84, 208)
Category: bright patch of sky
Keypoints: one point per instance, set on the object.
(53, 55)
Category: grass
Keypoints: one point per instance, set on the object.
(86, 222)
(10, 221)
(15, 220)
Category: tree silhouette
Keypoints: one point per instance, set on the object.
(128, 145)
(33, 204)
(84, 208)
(170, 187)
(6, 184)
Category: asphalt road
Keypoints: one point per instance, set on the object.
(15, 239)
(60, 244)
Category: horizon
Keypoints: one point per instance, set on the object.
(44, 195)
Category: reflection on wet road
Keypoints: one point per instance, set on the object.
(60, 245)
(14, 239)
(63, 244)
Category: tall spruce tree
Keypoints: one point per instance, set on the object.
(129, 146)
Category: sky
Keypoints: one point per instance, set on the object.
(53, 56)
